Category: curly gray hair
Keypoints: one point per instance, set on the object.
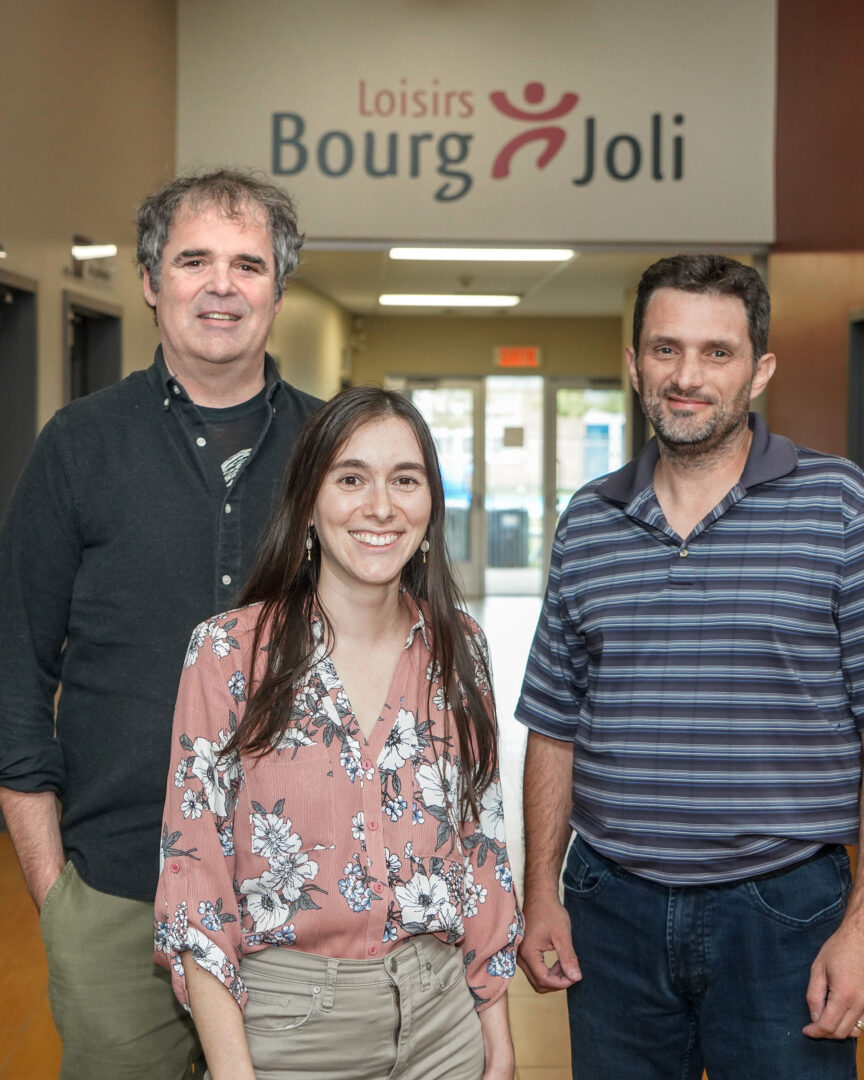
(233, 190)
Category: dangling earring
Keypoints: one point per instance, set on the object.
(309, 544)
(424, 547)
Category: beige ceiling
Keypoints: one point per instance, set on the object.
(593, 283)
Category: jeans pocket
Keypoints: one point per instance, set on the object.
(807, 894)
(269, 1012)
(585, 870)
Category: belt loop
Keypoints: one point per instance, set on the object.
(330, 985)
(424, 963)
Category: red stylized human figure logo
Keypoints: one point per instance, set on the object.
(554, 137)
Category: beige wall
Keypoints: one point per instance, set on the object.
(463, 346)
(87, 128)
(89, 102)
(311, 341)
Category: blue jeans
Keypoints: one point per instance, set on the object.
(679, 979)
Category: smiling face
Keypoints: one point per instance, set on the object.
(373, 508)
(216, 299)
(695, 374)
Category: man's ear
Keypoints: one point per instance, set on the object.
(147, 289)
(765, 366)
(630, 356)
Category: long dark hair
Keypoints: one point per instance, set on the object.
(285, 582)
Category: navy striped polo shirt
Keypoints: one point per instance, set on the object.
(713, 688)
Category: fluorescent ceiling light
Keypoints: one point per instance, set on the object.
(468, 254)
(444, 300)
(93, 251)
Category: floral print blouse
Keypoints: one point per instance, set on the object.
(334, 843)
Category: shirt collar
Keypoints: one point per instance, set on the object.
(419, 625)
(171, 386)
(770, 457)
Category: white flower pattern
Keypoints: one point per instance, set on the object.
(340, 826)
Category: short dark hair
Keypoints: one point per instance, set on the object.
(233, 190)
(713, 275)
(285, 581)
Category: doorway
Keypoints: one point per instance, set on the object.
(92, 346)
(513, 449)
(18, 369)
(855, 423)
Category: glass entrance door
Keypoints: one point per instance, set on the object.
(454, 412)
(514, 485)
(513, 449)
(587, 425)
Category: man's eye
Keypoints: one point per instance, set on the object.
(407, 481)
(252, 269)
(349, 481)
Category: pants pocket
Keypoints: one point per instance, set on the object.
(805, 895)
(55, 889)
(271, 1011)
(585, 869)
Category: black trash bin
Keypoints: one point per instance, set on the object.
(507, 537)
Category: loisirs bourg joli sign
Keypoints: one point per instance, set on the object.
(439, 135)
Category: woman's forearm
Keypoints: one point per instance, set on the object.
(497, 1043)
(219, 1023)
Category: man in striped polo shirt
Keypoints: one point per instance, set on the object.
(695, 694)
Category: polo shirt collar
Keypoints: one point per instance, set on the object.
(770, 457)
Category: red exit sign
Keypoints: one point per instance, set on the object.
(517, 356)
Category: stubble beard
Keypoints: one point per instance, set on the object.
(686, 439)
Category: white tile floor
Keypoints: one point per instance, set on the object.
(509, 623)
(539, 1024)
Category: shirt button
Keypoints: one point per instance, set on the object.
(378, 888)
(226, 579)
(166, 403)
(373, 826)
(227, 508)
(373, 950)
(683, 553)
(201, 440)
(367, 763)
(174, 868)
(176, 388)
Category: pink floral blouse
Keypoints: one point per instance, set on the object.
(333, 844)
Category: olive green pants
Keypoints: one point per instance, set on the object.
(114, 1008)
(406, 1016)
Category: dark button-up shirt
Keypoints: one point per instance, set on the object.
(121, 536)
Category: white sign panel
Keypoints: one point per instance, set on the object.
(487, 120)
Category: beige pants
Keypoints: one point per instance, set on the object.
(406, 1016)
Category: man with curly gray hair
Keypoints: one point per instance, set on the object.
(138, 514)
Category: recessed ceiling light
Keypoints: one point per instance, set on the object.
(467, 254)
(445, 300)
(93, 251)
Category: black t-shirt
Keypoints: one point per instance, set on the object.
(234, 431)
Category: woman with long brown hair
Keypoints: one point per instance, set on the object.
(335, 866)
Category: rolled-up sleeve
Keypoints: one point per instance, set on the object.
(197, 916)
(492, 917)
(40, 552)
